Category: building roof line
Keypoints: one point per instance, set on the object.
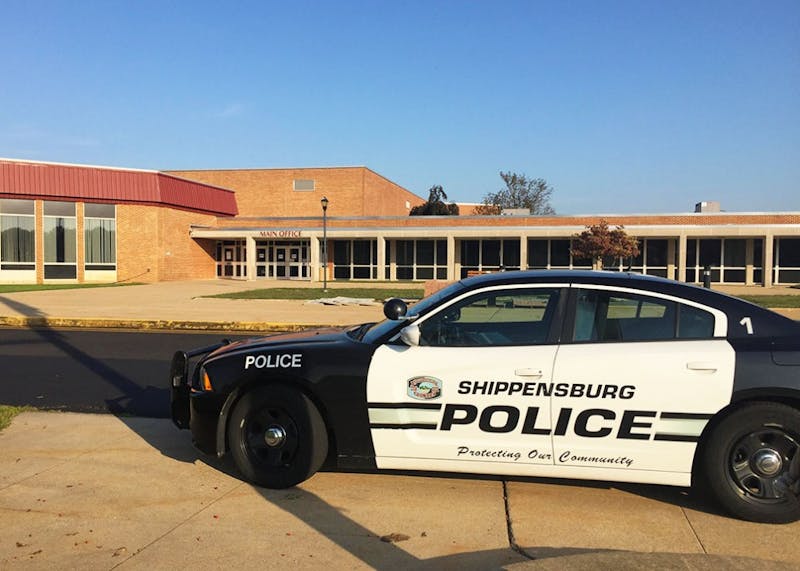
(245, 169)
(671, 228)
(494, 217)
(75, 165)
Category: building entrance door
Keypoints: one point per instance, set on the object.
(229, 261)
(291, 262)
(282, 260)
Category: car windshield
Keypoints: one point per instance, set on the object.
(378, 330)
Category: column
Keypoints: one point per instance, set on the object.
(453, 260)
(671, 259)
(315, 258)
(381, 270)
(523, 252)
(682, 257)
(392, 260)
(250, 254)
(769, 255)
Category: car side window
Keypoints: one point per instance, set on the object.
(615, 316)
(496, 318)
(694, 323)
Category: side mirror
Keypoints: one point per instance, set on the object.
(410, 335)
(395, 309)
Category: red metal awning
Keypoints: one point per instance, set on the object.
(79, 183)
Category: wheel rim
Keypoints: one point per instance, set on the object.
(759, 464)
(270, 437)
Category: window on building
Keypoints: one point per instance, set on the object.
(787, 258)
(99, 236)
(734, 260)
(489, 255)
(546, 254)
(758, 260)
(17, 235)
(303, 184)
(559, 253)
(726, 257)
(420, 259)
(537, 254)
(355, 259)
(60, 246)
(653, 257)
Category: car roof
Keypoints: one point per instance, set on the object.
(621, 279)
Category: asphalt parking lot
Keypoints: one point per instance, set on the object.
(101, 492)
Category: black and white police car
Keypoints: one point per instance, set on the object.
(587, 375)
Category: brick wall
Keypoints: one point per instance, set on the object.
(352, 191)
(385, 198)
(183, 258)
(138, 243)
(153, 244)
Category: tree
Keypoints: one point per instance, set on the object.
(436, 205)
(520, 192)
(599, 241)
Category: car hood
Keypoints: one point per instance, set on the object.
(323, 335)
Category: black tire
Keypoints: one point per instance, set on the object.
(750, 462)
(277, 437)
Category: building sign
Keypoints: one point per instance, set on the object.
(280, 234)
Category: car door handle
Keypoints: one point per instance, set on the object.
(534, 373)
(705, 366)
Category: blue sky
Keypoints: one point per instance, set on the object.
(622, 106)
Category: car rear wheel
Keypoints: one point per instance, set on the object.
(751, 463)
(277, 437)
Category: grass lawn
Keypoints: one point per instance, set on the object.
(7, 414)
(9, 288)
(317, 293)
(775, 301)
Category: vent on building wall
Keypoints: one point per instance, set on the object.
(303, 184)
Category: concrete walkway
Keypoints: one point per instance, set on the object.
(84, 491)
(178, 305)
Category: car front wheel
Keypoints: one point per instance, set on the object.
(751, 463)
(277, 436)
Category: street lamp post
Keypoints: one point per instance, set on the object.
(324, 203)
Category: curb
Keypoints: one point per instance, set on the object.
(156, 324)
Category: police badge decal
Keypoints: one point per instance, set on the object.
(424, 388)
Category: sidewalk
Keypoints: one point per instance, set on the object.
(81, 491)
(177, 305)
(181, 305)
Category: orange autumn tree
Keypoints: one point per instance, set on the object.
(599, 241)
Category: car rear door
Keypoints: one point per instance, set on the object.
(471, 395)
(636, 382)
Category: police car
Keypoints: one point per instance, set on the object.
(587, 375)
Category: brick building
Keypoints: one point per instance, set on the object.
(81, 223)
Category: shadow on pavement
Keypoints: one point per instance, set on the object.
(365, 544)
(133, 395)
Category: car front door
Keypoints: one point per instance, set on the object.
(635, 384)
(469, 393)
